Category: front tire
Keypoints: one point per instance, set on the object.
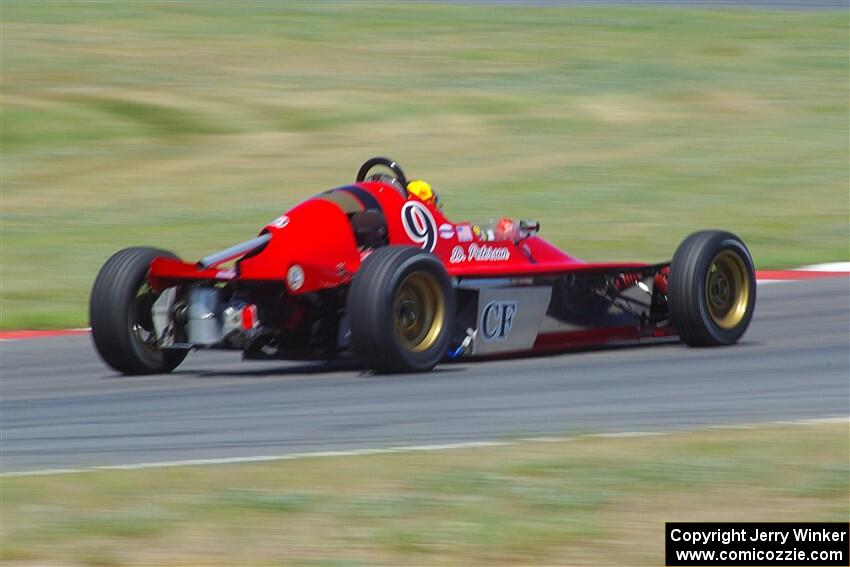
(120, 315)
(401, 308)
(712, 291)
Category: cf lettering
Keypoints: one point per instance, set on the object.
(497, 320)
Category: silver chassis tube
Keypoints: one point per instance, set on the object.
(233, 252)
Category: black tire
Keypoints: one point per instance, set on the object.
(705, 264)
(384, 312)
(113, 315)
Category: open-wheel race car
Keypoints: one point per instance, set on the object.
(374, 270)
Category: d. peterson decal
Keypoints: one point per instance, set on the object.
(419, 225)
(479, 253)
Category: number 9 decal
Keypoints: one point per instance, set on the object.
(419, 225)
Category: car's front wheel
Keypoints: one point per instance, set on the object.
(400, 309)
(712, 291)
(120, 312)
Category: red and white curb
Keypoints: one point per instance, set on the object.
(18, 335)
(815, 271)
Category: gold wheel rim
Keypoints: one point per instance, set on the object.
(727, 289)
(419, 311)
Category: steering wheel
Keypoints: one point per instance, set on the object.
(398, 177)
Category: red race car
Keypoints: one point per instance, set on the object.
(374, 269)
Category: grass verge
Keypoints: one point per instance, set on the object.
(188, 126)
(599, 501)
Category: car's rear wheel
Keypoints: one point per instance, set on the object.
(121, 317)
(400, 309)
(712, 288)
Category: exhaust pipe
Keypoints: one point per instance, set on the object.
(233, 252)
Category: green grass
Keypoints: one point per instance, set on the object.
(583, 501)
(188, 126)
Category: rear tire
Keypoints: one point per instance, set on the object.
(401, 307)
(119, 312)
(712, 291)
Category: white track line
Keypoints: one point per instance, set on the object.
(409, 448)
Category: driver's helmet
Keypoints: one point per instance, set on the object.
(422, 189)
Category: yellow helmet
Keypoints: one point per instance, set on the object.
(422, 189)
